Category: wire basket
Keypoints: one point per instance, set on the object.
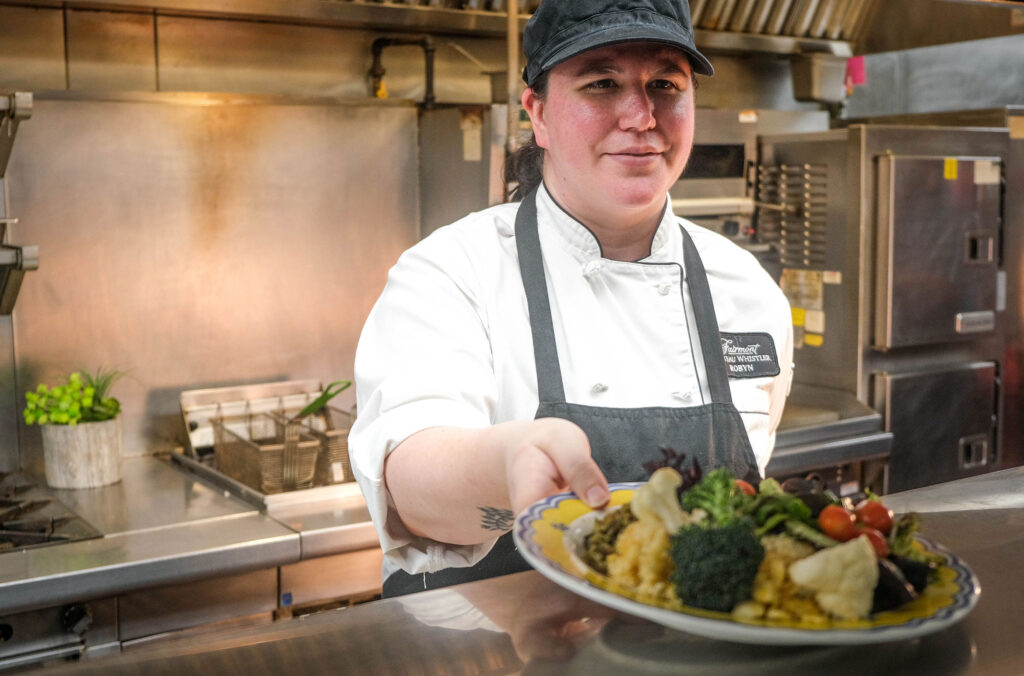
(271, 458)
(330, 427)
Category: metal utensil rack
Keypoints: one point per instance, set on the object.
(15, 260)
(330, 428)
(247, 440)
(271, 458)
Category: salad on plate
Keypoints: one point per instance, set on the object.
(764, 562)
(785, 554)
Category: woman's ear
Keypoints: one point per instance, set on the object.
(534, 107)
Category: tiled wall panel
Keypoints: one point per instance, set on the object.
(111, 50)
(31, 48)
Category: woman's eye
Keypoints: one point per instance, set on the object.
(663, 84)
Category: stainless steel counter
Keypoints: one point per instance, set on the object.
(525, 624)
(152, 494)
(162, 526)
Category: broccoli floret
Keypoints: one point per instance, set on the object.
(715, 567)
(717, 495)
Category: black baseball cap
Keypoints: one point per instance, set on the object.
(562, 29)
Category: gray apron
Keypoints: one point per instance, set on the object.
(622, 440)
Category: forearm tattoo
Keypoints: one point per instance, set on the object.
(495, 519)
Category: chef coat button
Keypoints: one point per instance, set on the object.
(591, 268)
(664, 288)
(683, 396)
(598, 388)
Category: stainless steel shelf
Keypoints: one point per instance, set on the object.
(415, 18)
(320, 12)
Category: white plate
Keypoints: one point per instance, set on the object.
(548, 533)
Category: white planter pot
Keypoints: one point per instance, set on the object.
(85, 455)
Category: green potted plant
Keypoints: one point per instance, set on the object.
(81, 428)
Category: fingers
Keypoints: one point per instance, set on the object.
(569, 450)
(585, 479)
(554, 455)
(531, 477)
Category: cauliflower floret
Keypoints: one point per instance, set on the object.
(842, 577)
(641, 559)
(657, 501)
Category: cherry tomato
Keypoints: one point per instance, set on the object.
(837, 523)
(877, 540)
(746, 487)
(874, 514)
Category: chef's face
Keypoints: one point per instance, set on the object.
(617, 127)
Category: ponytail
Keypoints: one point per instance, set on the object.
(524, 167)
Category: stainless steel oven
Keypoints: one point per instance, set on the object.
(717, 188)
(891, 253)
(30, 518)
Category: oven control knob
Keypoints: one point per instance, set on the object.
(77, 618)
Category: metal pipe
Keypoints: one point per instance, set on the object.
(512, 31)
(377, 70)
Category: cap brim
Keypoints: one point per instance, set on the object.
(619, 34)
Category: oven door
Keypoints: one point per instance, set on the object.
(58, 633)
(945, 421)
(938, 228)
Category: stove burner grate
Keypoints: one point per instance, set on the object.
(31, 517)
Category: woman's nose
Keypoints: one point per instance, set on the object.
(636, 110)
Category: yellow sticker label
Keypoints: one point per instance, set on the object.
(1017, 123)
(814, 339)
(799, 316)
(949, 169)
(815, 321)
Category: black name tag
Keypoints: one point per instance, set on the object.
(749, 355)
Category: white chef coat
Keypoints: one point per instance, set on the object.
(449, 343)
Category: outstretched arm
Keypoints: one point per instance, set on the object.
(463, 486)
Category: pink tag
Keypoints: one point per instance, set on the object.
(856, 73)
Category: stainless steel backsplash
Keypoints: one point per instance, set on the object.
(198, 240)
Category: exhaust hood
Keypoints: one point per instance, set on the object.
(779, 26)
(838, 27)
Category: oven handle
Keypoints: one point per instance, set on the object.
(64, 652)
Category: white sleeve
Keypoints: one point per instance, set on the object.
(423, 360)
(777, 317)
(781, 387)
(448, 609)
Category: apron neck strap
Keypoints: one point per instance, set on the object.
(707, 322)
(550, 388)
(531, 267)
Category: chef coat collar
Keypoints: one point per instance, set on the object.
(581, 240)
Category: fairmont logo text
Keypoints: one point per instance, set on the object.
(749, 355)
(730, 348)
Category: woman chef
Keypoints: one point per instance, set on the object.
(558, 342)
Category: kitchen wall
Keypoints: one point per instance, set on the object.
(217, 201)
(961, 76)
(204, 243)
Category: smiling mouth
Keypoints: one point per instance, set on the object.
(640, 157)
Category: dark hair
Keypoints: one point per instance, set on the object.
(525, 165)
